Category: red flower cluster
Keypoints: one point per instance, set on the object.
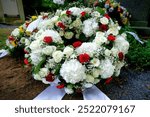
(11, 38)
(61, 25)
(103, 27)
(111, 37)
(108, 80)
(68, 12)
(121, 56)
(83, 58)
(27, 24)
(45, 17)
(50, 77)
(26, 62)
(60, 86)
(77, 44)
(83, 14)
(48, 39)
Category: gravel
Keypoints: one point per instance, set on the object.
(135, 86)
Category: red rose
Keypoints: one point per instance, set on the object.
(84, 58)
(45, 17)
(111, 38)
(26, 62)
(26, 52)
(83, 13)
(60, 86)
(108, 80)
(27, 24)
(103, 27)
(11, 38)
(50, 77)
(121, 56)
(107, 16)
(77, 44)
(61, 25)
(68, 12)
(48, 39)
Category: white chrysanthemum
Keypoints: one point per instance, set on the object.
(54, 34)
(48, 50)
(104, 20)
(96, 72)
(43, 72)
(113, 29)
(68, 35)
(15, 32)
(107, 69)
(107, 52)
(89, 48)
(57, 56)
(77, 23)
(89, 78)
(100, 38)
(95, 62)
(73, 71)
(75, 11)
(37, 77)
(69, 90)
(59, 1)
(89, 27)
(121, 44)
(118, 67)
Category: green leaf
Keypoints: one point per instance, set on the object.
(100, 10)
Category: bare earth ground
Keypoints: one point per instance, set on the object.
(16, 83)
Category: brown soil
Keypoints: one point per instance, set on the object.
(16, 82)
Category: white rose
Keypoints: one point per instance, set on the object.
(89, 78)
(27, 42)
(48, 50)
(15, 32)
(95, 62)
(57, 55)
(37, 77)
(68, 35)
(77, 23)
(69, 90)
(43, 72)
(104, 20)
(68, 51)
(107, 52)
(96, 72)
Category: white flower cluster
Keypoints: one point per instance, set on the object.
(59, 1)
(76, 49)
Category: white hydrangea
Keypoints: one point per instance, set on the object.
(48, 50)
(121, 44)
(75, 11)
(73, 71)
(107, 69)
(89, 48)
(35, 58)
(89, 27)
(57, 56)
(16, 32)
(36, 45)
(100, 38)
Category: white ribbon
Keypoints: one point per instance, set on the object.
(135, 36)
(3, 53)
(52, 93)
(94, 93)
(33, 25)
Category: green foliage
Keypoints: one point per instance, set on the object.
(138, 56)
